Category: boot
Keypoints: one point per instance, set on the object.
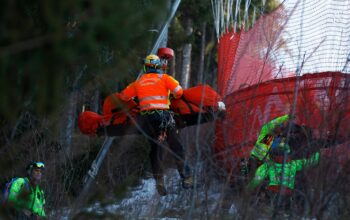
(187, 182)
(160, 187)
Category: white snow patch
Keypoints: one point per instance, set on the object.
(144, 202)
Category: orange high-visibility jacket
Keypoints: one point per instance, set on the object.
(152, 91)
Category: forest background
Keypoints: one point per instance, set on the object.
(58, 56)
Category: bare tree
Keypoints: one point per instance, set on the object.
(71, 112)
(95, 101)
(202, 54)
(186, 56)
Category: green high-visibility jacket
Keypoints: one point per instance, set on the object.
(278, 175)
(261, 147)
(24, 196)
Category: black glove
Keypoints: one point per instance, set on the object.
(292, 116)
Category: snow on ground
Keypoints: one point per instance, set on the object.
(144, 202)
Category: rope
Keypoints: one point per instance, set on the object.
(246, 8)
(223, 17)
(229, 14)
(215, 16)
(254, 16)
(238, 3)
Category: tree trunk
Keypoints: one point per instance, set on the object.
(70, 122)
(186, 57)
(71, 113)
(210, 76)
(173, 66)
(95, 102)
(200, 78)
(178, 65)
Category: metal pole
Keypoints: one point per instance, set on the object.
(96, 164)
(164, 28)
(91, 175)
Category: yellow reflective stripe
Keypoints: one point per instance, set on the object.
(154, 106)
(147, 83)
(177, 88)
(260, 151)
(257, 155)
(155, 97)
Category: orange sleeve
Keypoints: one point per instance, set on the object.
(174, 86)
(128, 93)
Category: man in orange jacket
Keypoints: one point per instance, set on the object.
(152, 90)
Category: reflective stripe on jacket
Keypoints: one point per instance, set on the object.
(152, 90)
(24, 196)
(263, 144)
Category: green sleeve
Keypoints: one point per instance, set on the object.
(312, 161)
(259, 177)
(270, 126)
(299, 164)
(261, 149)
(15, 192)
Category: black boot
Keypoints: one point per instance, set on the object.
(160, 187)
(187, 182)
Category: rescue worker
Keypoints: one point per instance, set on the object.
(280, 175)
(26, 195)
(152, 91)
(269, 131)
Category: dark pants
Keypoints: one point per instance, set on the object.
(281, 202)
(153, 124)
(253, 164)
(22, 216)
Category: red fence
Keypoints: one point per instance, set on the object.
(322, 103)
(257, 74)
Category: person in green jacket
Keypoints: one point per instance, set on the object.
(268, 133)
(26, 196)
(281, 172)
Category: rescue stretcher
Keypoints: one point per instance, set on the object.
(199, 104)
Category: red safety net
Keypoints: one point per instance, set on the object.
(244, 57)
(321, 103)
(263, 74)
